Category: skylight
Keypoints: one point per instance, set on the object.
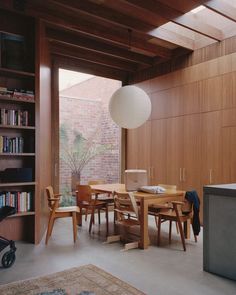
(197, 9)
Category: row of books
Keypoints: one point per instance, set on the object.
(20, 94)
(11, 145)
(22, 201)
(14, 117)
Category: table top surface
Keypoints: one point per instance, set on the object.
(120, 188)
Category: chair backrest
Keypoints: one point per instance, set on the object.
(51, 198)
(83, 193)
(96, 181)
(126, 206)
(187, 207)
(168, 186)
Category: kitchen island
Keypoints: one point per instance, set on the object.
(219, 237)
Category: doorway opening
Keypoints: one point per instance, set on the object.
(89, 141)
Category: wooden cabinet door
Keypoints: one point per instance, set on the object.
(143, 146)
(192, 153)
(211, 148)
(138, 147)
(158, 151)
(211, 94)
(229, 154)
(174, 151)
(132, 149)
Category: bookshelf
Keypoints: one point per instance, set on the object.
(17, 127)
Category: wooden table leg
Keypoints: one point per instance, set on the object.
(144, 238)
(79, 217)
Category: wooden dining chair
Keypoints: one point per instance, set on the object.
(127, 215)
(154, 210)
(106, 197)
(59, 212)
(180, 212)
(86, 200)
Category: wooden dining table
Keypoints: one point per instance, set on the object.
(145, 200)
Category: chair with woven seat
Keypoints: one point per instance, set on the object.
(105, 197)
(181, 212)
(154, 210)
(85, 200)
(59, 212)
(127, 215)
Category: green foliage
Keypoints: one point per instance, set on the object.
(76, 151)
(67, 198)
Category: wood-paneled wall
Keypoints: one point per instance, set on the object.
(191, 134)
(43, 127)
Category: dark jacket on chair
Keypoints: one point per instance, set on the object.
(193, 198)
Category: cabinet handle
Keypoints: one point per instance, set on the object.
(180, 174)
(184, 174)
(149, 172)
(152, 172)
(210, 175)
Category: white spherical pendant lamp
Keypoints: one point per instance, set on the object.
(130, 107)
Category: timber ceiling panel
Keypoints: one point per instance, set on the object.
(121, 37)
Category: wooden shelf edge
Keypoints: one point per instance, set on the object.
(18, 154)
(22, 214)
(17, 127)
(12, 99)
(16, 72)
(12, 184)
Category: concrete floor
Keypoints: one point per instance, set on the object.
(165, 270)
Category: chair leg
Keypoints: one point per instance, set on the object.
(156, 220)
(181, 234)
(107, 220)
(177, 228)
(195, 237)
(86, 214)
(74, 222)
(159, 231)
(170, 230)
(99, 217)
(49, 230)
(91, 219)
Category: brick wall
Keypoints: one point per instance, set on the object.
(84, 107)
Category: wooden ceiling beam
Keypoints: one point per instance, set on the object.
(83, 24)
(222, 8)
(136, 12)
(91, 56)
(194, 23)
(121, 19)
(97, 46)
(79, 23)
(183, 6)
(189, 21)
(104, 13)
(87, 67)
(173, 37)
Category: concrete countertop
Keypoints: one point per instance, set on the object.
(228, 190)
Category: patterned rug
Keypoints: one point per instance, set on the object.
(83, 280)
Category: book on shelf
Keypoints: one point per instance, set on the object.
(14, 117)
(19, 94)
(11, 144)
(22, 201)
(6, 92)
